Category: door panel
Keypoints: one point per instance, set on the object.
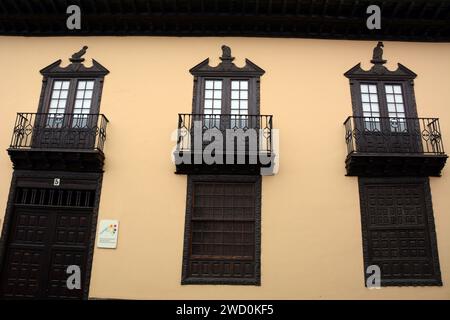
(42, 243)
(25, 257)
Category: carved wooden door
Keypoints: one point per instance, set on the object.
(44, 238)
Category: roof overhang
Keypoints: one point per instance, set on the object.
(406, 20)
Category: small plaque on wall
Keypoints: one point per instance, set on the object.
(107, 234)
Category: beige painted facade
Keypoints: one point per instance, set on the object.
(311, 228)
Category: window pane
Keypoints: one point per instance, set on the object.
(396, 107)
(212, 103)
(209, 84)
(90, 85)
(372, 88)
(83, 103)
(239, 102)
(370, 106)
(58, 102)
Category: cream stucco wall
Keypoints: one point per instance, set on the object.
(311, 231)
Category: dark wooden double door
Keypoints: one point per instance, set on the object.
(42, 242)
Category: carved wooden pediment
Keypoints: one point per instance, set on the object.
(378, 70)
(226, 67)
(76, 68)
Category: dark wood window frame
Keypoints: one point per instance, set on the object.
(423, 182)
(44, 106)
(256, 280)
(226, 71)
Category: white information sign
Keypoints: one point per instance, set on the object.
(107, 234)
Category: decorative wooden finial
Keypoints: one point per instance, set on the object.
(77, 57)
(226, 54)
(377, 57)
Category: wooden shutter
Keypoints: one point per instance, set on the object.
(398, 230)
(222, 230)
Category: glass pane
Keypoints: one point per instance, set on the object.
(88, 94)
(244, 85)
(80, 94)
(208, 94)
(218, 84)
(235, 95)
(57, 85)
(391, 107)
(56, 94)
(217, 104)
(209, 84)
(90, 85)
(364, 88)
(87, 104)
(235, 85)
(372, 88)
(244, 95)
(61, 104)
(81, 85)
(78, 104)
(365, 97)
(397, 89)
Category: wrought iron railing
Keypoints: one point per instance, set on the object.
(59, 131)
(258, 126)
(393, 135)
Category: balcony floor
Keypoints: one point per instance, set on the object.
(394, 164)
(57, 159)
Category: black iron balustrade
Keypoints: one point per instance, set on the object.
(261, 124)
(393, 135)
(68, 131)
